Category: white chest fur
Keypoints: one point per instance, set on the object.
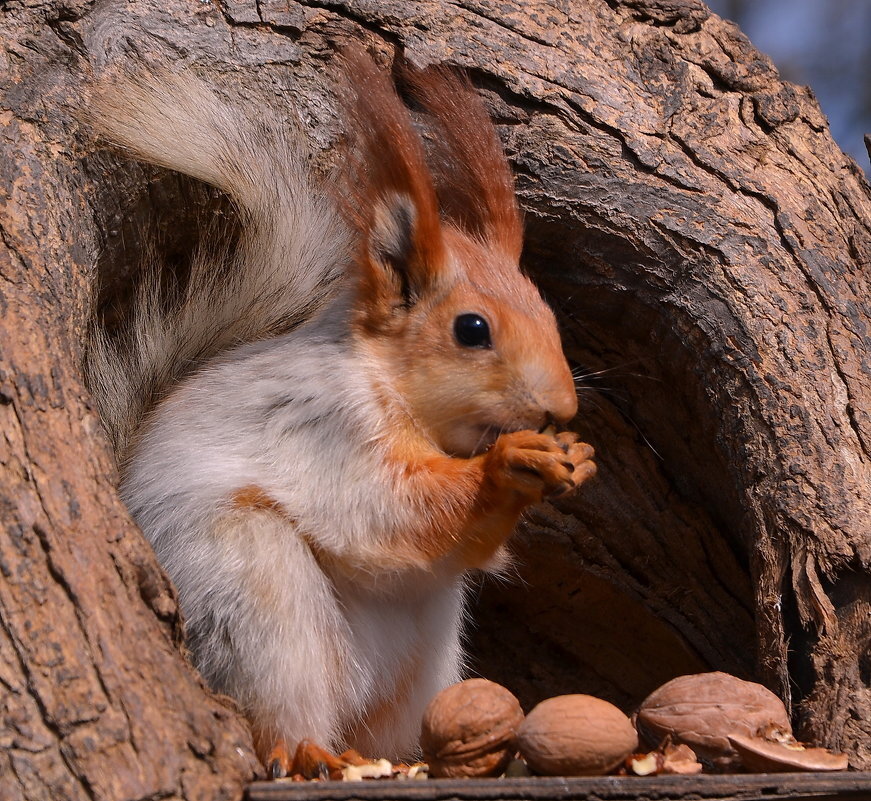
(281, 609)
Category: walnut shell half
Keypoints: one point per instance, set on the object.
(703, 709)
(469, 729)
(575, 735)
(770, 756)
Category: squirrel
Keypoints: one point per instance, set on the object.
(343, 414)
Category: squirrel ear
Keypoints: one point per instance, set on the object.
(396, 269)
(391, 199)
(391, 232)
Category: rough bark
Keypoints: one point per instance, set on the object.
(707, 248)
(96, 700)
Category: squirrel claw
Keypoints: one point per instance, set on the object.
(559, 491)
(276, 770)
(278, 762)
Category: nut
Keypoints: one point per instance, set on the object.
(379, 769)
(575, 735)
(644, 764)
(669, 759)
(775, 756)
(469, 729)
(703, 709)
(680, 760)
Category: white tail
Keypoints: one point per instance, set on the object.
(293, 244)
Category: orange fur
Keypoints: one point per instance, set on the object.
(471, 506)
(388, 168)
(444, 401)
(272, 751)
(254, 498)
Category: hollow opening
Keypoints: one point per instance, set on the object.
(643, 575)
(149, 215)
(640, 577)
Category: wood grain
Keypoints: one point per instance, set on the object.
(754, 787)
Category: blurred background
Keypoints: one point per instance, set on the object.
(824, 44)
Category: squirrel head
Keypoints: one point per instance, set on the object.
(464, 344)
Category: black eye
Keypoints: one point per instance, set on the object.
(472, 331)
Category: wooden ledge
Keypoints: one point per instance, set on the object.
(733, 787)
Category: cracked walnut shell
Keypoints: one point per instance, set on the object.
(772, 754)
(703, 709)
(469, 729)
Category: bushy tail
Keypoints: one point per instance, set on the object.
(293, 244)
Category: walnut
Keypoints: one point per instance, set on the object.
(575, 735)
(703, 709)
(469, 729)
(765, 753)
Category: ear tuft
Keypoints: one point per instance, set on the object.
(474, 181)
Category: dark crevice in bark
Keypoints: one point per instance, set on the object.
(478, 11)
(379, 30)
(46, 719)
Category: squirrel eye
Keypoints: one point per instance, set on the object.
(472, 331)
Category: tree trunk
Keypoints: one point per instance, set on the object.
(97, 702)
(706, 246)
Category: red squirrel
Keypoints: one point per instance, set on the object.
(343, 414)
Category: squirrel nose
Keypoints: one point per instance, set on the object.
(563, 406)
(556, 397)
(562, 399)
(559, 405)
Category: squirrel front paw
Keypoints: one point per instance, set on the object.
(540, 465)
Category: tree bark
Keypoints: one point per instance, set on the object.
(97, 702)
(706, 247)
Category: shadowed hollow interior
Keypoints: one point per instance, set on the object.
(643, 575)
(640, 577)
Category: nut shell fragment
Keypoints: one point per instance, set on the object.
(469, 729)
(379, 769)
(680, 760)
(767, 756)
(670, 759)
(575, 735)
(703, 709)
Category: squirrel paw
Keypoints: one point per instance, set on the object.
(310, 761)
(540, 465)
